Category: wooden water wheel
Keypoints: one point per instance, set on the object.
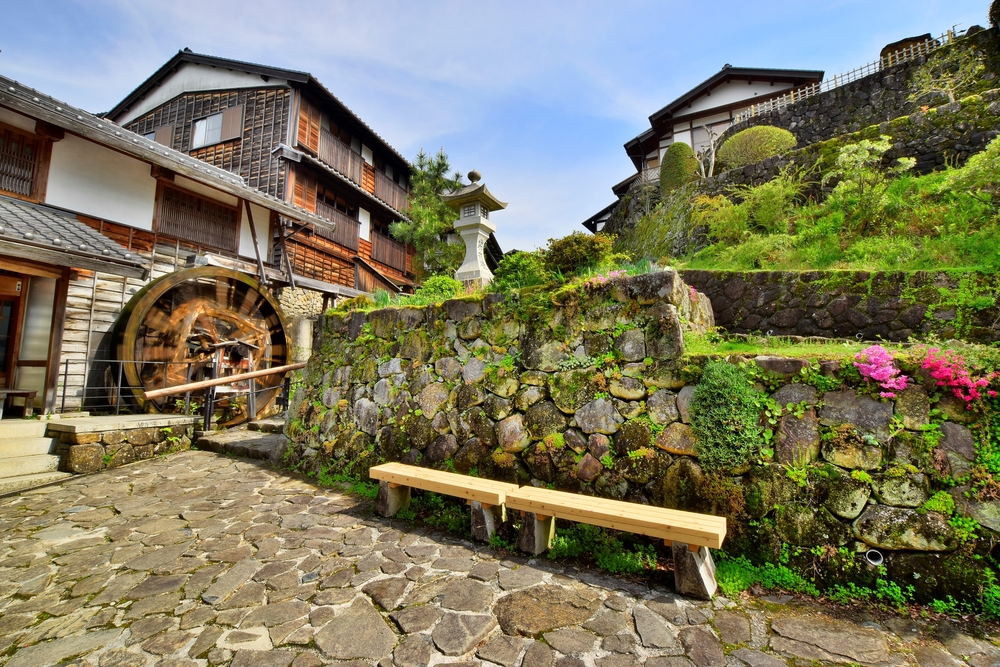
(178, 327)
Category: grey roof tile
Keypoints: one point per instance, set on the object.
(54, 229)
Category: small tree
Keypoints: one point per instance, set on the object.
(863, 182)
(431, 219)
(755, 144)
(995, 13)
(706, 156)
(951, 72)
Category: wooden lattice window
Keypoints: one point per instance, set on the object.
(20, 153)
(188, 217)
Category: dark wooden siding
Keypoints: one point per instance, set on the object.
(265, 125)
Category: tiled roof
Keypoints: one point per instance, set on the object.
(54, 230)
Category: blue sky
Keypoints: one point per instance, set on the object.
(538, 96)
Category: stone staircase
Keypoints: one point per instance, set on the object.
(261, 440)
(27, 456)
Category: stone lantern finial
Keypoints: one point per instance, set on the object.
(474, 203)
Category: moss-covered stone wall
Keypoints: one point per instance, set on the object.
(844, 304)
(871, 100)
(589, 390)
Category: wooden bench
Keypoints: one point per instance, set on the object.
(27, 394)
(486, 496)
(691, 535)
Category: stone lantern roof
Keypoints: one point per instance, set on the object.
(474, 192)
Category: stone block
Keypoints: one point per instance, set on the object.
(391, 499)
(694, 572)
(484, 521)
(781, 366)
(536, 534)
(141, 436)
(85, 458)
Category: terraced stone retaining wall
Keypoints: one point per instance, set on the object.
(891, 305)
(86, 449)
(872, 100)
(592, 393)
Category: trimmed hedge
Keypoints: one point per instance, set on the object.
(678, 167)
(755, 144)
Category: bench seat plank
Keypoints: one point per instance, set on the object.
(486, 491)
(688, 527)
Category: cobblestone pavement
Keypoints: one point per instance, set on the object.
(201, 559)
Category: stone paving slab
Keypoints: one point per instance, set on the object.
(200, 559)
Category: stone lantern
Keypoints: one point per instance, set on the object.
(474, 203)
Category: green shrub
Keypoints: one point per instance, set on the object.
(518, 270)
(755, 144)
(980, 177)
(439, 287)
(576, 251)
(725, 415)
(679, 166)
(608, 552)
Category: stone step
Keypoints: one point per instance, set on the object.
(16, 466)
(22, 428)
(241, 442)
(24, 482)
(271, 425)
(10, 447)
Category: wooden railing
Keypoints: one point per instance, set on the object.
(388, 252)
(389, 192)
(907, 54)
(340, 157)
(347, 230)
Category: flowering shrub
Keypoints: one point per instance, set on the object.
(875, 365)
(601, 279)
(949, 370)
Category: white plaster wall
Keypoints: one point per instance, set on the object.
(262, 222)
(17, 120)
(96, 181)
(734, 91)
(194, 77)
(210, 193)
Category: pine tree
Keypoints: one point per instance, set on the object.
(431, 219)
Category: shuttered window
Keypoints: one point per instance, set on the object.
(187, 216)
(214, 129)
(310, 122)
(305, 191)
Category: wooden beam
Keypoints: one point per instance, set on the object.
(162, 173)
(256, 246)
(57, 258)
(49, 131)
(204, 384)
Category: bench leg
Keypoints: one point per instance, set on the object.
(484, 520)
(536, 533)
(391, 498)
(694, 572)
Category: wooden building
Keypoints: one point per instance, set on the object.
(694, 118)
(285, 134)
(89, 214)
